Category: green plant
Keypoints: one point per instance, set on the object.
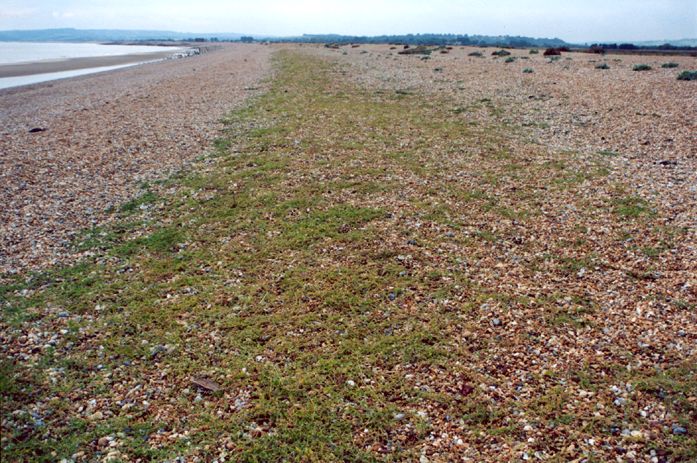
(688, 75)
(669, 65)
(510, 59)
(641, 67)
(602, 66)
(501, 53)
(528, 71)
(476, 54)
(534, 52)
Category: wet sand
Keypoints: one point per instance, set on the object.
(72, 64)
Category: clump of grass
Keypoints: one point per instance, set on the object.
(501, 53)
(534, 52)
(476, 54)
(632, 207)
(510, 59)
(688, 75)
(602, 66)
(641, 67)
(670, 65)
(528, 71)
(148, 197)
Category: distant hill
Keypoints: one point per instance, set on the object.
(107, 35)
(104, 35)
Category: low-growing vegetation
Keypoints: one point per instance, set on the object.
(363, 272)
(688, 75)
(501, 53)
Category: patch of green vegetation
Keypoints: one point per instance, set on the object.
(688, 75)
(145, 199)
(501, 53)
(641, 67)
(670, 65)
(528, 71)
(602, 66)
(632, 207)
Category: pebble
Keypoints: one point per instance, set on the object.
(496, 322)
(679, 430)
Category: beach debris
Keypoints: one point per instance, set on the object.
(206, 384)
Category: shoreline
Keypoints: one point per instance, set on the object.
(102, 135)
(74, 64)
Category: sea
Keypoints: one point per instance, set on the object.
(32, 52)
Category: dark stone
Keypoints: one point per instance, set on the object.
(37, 130)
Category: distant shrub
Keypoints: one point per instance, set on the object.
(602, 66)
(669, 65)
(476, 53)
(554, 58)
(534, 52)
(501, 53)
(552, 52)
(528, 71)
(688, 75)
(420, 50)
(510, 59)
(641, 67)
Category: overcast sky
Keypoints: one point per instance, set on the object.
(572, 20)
